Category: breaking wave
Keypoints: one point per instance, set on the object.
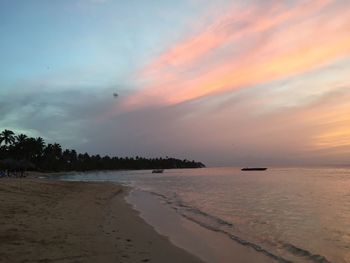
(219, 225)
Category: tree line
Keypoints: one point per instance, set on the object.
(52, 158)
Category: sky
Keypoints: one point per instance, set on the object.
(243, 82)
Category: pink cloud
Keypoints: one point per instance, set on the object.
(233, 25)
(246, 48)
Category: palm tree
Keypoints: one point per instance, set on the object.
(57, 150)
(21, 139)
(17, 149)
(3, 151)
(19, 145)
(38, 146)
(52, 156)
(8, 137)
(40, 143)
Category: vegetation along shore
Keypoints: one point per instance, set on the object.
(24, 152)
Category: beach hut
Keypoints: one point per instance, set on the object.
(12, 166)
(9, 165)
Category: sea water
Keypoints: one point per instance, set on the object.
(288, 214)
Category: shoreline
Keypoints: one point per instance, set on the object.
(206, 244)
(60, 221)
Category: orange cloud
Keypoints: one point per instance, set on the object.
(295, 61)
(336, 133)
(278, 43)
(228, 28)
(325, 122)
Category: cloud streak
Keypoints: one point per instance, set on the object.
(245, 48)
(263, 83)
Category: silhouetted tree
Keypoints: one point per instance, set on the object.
(7, 137)
(51, 157)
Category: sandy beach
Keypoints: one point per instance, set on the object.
(55, 221)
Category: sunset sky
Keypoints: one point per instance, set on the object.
(243, 82)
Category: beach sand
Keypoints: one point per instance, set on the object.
(55, 221)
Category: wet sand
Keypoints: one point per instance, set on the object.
(206, 244)
(55, 221)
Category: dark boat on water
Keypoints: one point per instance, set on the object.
(157, 171)
(254, 169)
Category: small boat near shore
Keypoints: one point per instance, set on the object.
(158, 171)
(254, 169)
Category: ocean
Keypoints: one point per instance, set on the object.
(287, 214)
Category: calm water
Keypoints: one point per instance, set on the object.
(298, 215)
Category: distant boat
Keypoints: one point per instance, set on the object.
(158, 171)
(254, 169)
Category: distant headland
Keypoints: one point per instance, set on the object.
(24, 152)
